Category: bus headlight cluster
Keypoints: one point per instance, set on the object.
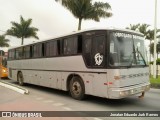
(124, 93)
(147, 87)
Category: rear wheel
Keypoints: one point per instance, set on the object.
(76, 88)
(20, 78)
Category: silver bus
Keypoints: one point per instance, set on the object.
(109, 63)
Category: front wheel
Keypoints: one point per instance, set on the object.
(76, 88)
(20, 79)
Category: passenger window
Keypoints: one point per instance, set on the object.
(19, 53)
(98, 51)
(11, 54)
(70, 46)
(27, 52)
(51, 48)
(87, 50)
(94, 51)
(37, 50)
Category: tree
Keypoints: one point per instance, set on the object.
(143, 28)
(86, 9)
(148, 34)
(3, 41)
(22, 30)
(133, 27)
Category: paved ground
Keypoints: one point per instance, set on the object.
(46, 99)
(13, 101)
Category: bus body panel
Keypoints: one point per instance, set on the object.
(45, 72)
(133, 80)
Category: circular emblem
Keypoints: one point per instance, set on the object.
(98, 59)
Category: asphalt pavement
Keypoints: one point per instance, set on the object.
(45, 99)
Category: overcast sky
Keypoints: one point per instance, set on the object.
(52, 19)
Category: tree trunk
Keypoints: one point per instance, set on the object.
(79, 25)
(22, 41)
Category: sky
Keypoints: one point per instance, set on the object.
(52, 19)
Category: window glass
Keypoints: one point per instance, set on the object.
(87, 50)
(70, 46)
(127, 50)
(37, 50)
(11, 54)
(48, 49)
(19, 53)
(98, 51)
(27, 52)
(51, 48)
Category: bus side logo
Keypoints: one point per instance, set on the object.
(98, 59)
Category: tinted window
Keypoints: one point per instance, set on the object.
(98, 51)
(87, 50)
(51, 48)
(94, 51)
(11, 54)
(27, 52)
(19, 53)
(70, 46)
(37, 50)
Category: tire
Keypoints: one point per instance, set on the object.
(76, 88)
(20, 78)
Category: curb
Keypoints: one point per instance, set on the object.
(14, 87)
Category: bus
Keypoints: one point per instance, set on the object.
(3, 64)
(109, 63)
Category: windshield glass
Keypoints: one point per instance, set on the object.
(127, 50)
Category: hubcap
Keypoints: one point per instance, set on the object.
(76, 88)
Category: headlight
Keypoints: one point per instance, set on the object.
(4, 71)
(124, 93)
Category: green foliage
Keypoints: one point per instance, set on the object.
(22, 30)
(157, 62)
(152, 48)
(144, 29)
(153, 80)
(3, 41)
(87, 9)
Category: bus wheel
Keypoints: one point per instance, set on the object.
(76, 88)
(20, 78)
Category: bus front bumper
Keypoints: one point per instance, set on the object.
(117, 93)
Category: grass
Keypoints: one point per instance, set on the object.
(155, 82)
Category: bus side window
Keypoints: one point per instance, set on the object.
(79, 44)
(70, 46)
(98, 51)
(37, 50)
(87, 51)
(27, 52)
(19, 53)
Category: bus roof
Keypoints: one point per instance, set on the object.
(81, 31)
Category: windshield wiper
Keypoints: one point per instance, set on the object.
(142, 57)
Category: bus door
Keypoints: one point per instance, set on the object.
(95, 58)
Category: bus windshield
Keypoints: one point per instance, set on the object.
(127, 50)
